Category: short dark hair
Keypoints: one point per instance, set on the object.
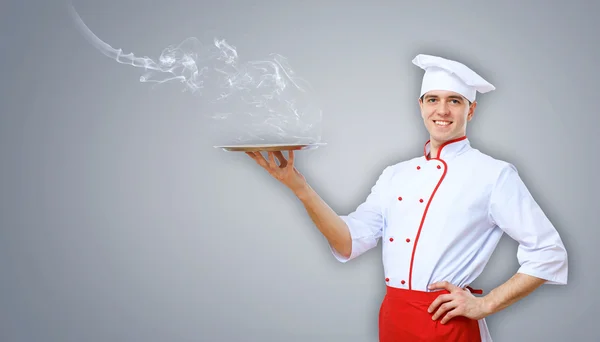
(470, 103)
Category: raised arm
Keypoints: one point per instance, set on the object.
(329, 223)
(348, 235)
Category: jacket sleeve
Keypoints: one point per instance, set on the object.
(366, 222)
(541, 252)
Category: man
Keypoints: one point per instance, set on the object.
(440, 216)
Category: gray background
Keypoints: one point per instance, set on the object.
(120, 222)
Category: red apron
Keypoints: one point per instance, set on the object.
(403, 317)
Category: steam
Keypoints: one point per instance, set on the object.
(260, 101)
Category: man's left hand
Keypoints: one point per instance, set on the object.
(459, 302)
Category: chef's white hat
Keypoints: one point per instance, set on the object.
(445, 74)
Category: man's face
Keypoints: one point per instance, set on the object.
(445, 114)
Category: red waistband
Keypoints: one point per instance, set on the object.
(478, 291)
(413, 294)
(420, 295)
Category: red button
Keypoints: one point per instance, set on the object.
(421, 200)
(391, 239)
(387, 279)
(418, 168)
(399, 198)
(439, 167)
(407, 240)
(403, 282)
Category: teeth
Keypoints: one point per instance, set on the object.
(442, 123)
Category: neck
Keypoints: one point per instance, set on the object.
(434, 147)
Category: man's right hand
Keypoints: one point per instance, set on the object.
(285, 172)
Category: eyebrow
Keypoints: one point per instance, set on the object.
(450, 97)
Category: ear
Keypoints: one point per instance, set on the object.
(471, 111)
(420, 101)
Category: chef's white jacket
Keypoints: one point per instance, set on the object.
(441, 218)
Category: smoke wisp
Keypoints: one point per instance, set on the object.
(259, 101)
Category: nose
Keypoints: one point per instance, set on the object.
(443, 108)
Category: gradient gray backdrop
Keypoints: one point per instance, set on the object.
(120, 222)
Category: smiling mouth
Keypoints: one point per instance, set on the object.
(442, 122)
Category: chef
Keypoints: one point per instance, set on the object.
(439, 217)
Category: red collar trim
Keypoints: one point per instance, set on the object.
(439, 153)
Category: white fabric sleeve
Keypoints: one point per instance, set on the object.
(366, 222)
(541, 252)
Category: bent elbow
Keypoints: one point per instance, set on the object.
(345, 251)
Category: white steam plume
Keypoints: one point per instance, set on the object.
(263, 101)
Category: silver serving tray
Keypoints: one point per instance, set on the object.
(269, 147)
